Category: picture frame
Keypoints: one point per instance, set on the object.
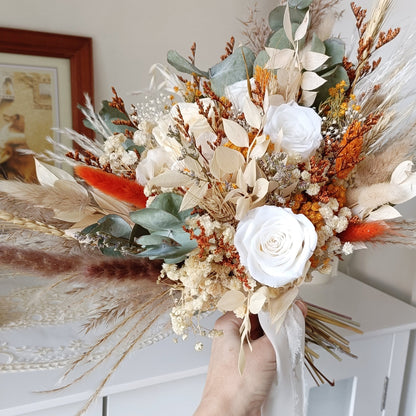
(43, 78)
(77, 49)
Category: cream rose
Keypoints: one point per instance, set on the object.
(275, 244)
(295, 128)
(238, 92)
(157, 161)
(198, 124)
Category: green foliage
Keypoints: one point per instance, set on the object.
(183, 65)
(335, 49)
(161, 232)
(128, 144)
(300, 4)
(279, 40)
(317, 45)
(261, 59)
(333, 77)
(108, 115)
(276, 17)
(111, 233)
(232, 69)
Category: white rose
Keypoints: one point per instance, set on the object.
(295, 128)
(157, 161)
(238, 92)
(275, 244)
(161, 135)
(198, 124)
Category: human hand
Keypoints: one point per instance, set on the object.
(226, 390)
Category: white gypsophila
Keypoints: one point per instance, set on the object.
(313, 189)
(305, 175)
(347, 248)
(143, 135)
(326, 212)
(333, 204)
(333, 245)
(296, 129)
(129, 158)
(324, 233)
(116, 156)
(341, 225)
(275, 244)
(345, 212)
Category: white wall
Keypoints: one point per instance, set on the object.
(130, 35)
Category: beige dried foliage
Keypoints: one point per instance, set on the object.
(214, 204)
(378, 167)
(256, 30)
(319, 10)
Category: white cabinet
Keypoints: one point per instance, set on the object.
(169, 378)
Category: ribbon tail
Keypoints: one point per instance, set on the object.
(287, 395)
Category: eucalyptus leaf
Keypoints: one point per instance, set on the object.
(158, 252)
(114, 226)
(335, 49)
(137, 232)
(108, 115)
(183, 65)
(156, 240)
(300, 4)
(128, 144)
(317, 45)
(261, 59)
(154, 219)
(179, 235)
(169, 202)
(279, 40)
(232, 69)
(276, 17)
(337, 75)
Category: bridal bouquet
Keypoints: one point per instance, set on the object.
(224, 189)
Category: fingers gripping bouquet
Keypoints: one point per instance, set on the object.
(233, 188)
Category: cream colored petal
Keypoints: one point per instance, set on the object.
(308, 98)
(226, 161)
(171, 179)
(194, 195)
(287, 25)
(311, 81)
(258, 299)
(259, 147)
(313, 60)
(250, 173)
(303, 27)
(48, 174)
(386, 212)
(235, 133)
(231, 300)
(280, 305)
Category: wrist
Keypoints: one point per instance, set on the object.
(211, 406)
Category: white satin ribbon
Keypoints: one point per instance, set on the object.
(287, 395)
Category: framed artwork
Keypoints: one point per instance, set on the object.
(43, 77)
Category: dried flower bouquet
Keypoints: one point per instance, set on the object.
(226, 190)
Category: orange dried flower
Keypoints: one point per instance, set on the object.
(351, 146)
